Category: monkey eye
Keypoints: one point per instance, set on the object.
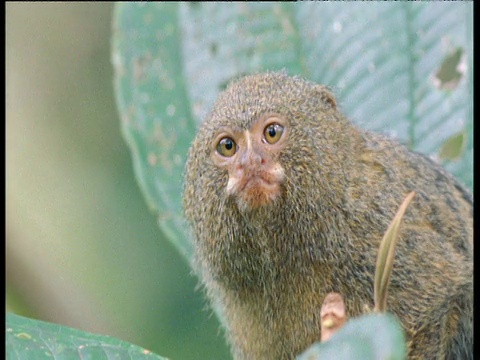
(273, 133)
(226, 147)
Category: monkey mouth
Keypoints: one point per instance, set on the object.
(256, 182)
(255, 190)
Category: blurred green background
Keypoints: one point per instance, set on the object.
(82, 248)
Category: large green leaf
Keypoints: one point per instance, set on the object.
(374, 336)
(154, 106)
(402, 68)
(36, 340)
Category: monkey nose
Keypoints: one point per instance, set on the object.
(251, 157)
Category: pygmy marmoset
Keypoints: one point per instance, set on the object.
(288, 201)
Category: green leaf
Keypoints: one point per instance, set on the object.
(154, 106)
(375, 336)
(37, 340)
(381, 59)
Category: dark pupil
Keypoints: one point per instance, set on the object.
(271, 131)
(228, 144)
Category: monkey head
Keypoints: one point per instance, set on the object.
(257, 140)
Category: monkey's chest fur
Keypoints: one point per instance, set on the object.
(269, 271)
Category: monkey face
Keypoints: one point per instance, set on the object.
(263, 146)
(251, 158)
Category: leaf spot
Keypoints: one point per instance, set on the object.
(23, 335)
(171, 109)
(337, 27)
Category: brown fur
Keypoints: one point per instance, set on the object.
(267, 270)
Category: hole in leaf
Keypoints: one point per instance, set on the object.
(451, 70)
(453, 147)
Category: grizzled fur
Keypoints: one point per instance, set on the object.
(267, 270)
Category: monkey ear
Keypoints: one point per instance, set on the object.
(326, 96)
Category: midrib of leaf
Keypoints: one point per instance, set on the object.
(290, 11)
(441, 112)
(422, 92)
(412, 83)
